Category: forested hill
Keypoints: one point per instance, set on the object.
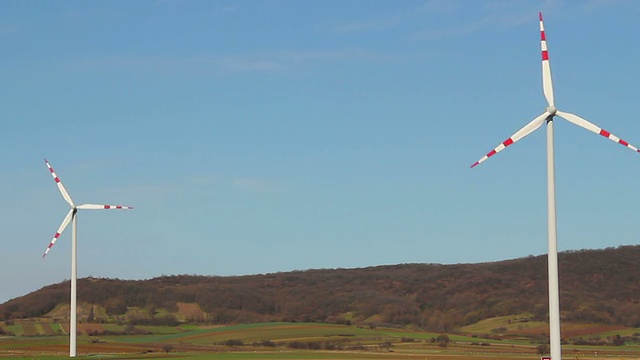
(601, 286)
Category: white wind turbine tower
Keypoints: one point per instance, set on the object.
(72, 215)
(547, 117)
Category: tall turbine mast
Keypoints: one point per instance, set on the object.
(72, 215)
(547, 117)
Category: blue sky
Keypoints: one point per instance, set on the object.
(264, 136)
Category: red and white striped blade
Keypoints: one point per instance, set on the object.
(64, 224)
(575, 119)
(547, 85)
(63, 191)
(526, 130)
(104, 207)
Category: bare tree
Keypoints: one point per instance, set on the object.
(543, 349)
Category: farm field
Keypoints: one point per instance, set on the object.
(288, 341)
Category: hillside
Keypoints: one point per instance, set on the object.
(597, 286)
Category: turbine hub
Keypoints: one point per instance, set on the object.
(552, 110)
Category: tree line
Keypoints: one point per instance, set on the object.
(596, 286)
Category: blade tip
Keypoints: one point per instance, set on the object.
(540, 15)
(475, 164)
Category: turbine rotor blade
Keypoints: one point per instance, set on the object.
(104, 207)
(526, 130)
(577, 120)
(547, 85)
(64, 224)
(63, 191)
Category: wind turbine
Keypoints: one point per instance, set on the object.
(547, 117)
(72, 215)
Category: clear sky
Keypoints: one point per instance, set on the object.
(265, 136)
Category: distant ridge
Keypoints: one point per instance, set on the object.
(596, 286)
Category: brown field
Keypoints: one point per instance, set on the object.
(353, 343)
(569, 330)
(47, 329)
(29, 329)
(190, 312)
(59, 312)
(185, 351)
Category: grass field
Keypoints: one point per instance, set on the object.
(321, 341)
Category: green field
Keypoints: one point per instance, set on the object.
(295, 341)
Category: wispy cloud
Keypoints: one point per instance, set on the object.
(440, 19)
(492, 20)
(489, 15)
(367, 25)
(595, 5)
(183, 3)
(440, 7)
(204, 180)
(300, 57)
(9, 28)
(498, 14)
(236, 63)
(198, 185)
(146, 189)
(175, 64)
(431, 8)
(223, 10)
(254, 185)
(277, 61)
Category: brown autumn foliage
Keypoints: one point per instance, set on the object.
(597, 286)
